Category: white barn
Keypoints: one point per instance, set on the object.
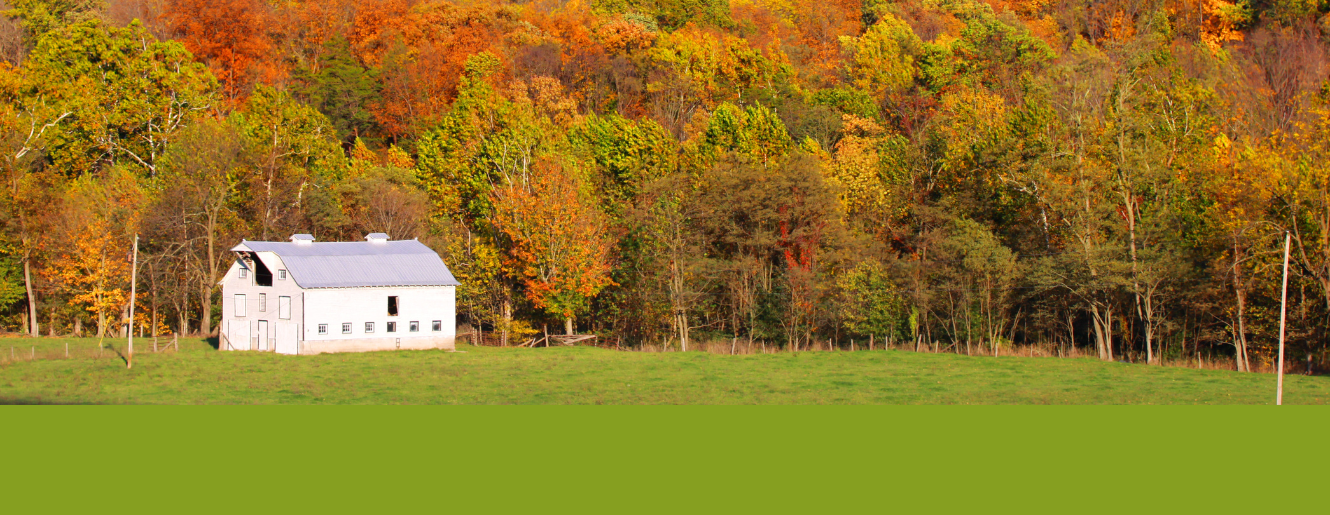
(307, 297)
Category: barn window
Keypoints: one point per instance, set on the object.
(263, 303)
(392, 327)
(415, 326)
(392, 306)
(284, 308)
(436, 326)
(346, 327)
(369, 327)
(323, 328)
(281, 274)
(240, 305)
(244, 273)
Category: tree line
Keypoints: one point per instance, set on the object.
(951, 175)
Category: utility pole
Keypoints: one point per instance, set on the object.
(1283, 316)
(133, 280)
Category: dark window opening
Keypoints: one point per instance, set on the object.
(415, 326)
(392, 306)
(392, 327)
(262, 275)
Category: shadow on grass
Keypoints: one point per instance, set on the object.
(117, 353)
(215, 342)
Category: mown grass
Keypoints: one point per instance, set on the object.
(585, 375)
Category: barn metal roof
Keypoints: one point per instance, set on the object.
(345, 264)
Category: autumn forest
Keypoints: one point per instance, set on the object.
(1114, 178)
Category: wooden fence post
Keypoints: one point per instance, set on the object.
(1283, 314)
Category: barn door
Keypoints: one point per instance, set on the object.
(239, 335)
(288, 338)
(262, 335)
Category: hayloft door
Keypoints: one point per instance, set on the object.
(263, 335)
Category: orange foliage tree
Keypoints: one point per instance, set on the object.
(96, 224)
(230, 36)
(559, 247)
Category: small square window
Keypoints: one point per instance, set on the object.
(244, 273)
(281, 274)
(323, 328)
(392, 306)
(369, 327)
(436, 326)
(346, 327)
(415, 326)
(392, 327)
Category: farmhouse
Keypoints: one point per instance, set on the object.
(307, 297)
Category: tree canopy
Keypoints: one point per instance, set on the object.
(944, 175)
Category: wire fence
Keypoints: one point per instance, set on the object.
(20, 350)
(17, 350)
(742, 346)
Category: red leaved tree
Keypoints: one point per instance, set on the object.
(231, 37)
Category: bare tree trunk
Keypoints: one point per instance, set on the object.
(1240, 329)
(1097, 322)
(153, 272)
(1148, 301)
(32, 300)
(1103, 331)
(182, 318)
(1149, 334)
(101, 322)
(121, 324)
(1071, 332)
(682, 320)
(1108, 332)
(507, 321)
(677, 311)
(205, 320)
(1135, 274)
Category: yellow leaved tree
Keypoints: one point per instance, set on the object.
(97, 219)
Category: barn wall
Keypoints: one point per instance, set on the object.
(232, 285)
(376, 344)
(424, 304)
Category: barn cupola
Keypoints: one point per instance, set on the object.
(376, 237)
(302, 239)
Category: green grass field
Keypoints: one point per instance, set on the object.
(585, 375)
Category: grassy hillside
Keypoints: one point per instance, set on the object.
(582, 375)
